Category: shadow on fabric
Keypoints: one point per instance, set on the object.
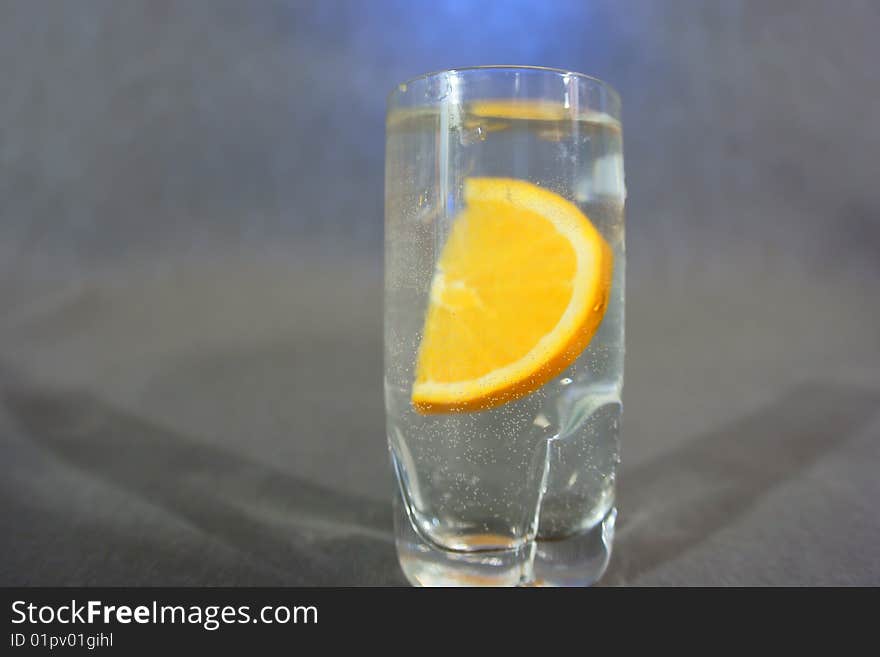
(307, 533)
(683, 497)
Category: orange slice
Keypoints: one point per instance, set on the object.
(533, 110)
(520, 288)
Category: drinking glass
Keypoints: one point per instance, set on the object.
(504, 200)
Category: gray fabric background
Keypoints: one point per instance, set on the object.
(190, 278)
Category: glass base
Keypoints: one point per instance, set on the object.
(576, 560)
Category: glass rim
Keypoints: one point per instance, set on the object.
(505, 67)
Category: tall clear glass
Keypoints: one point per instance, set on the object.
(504, 324)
